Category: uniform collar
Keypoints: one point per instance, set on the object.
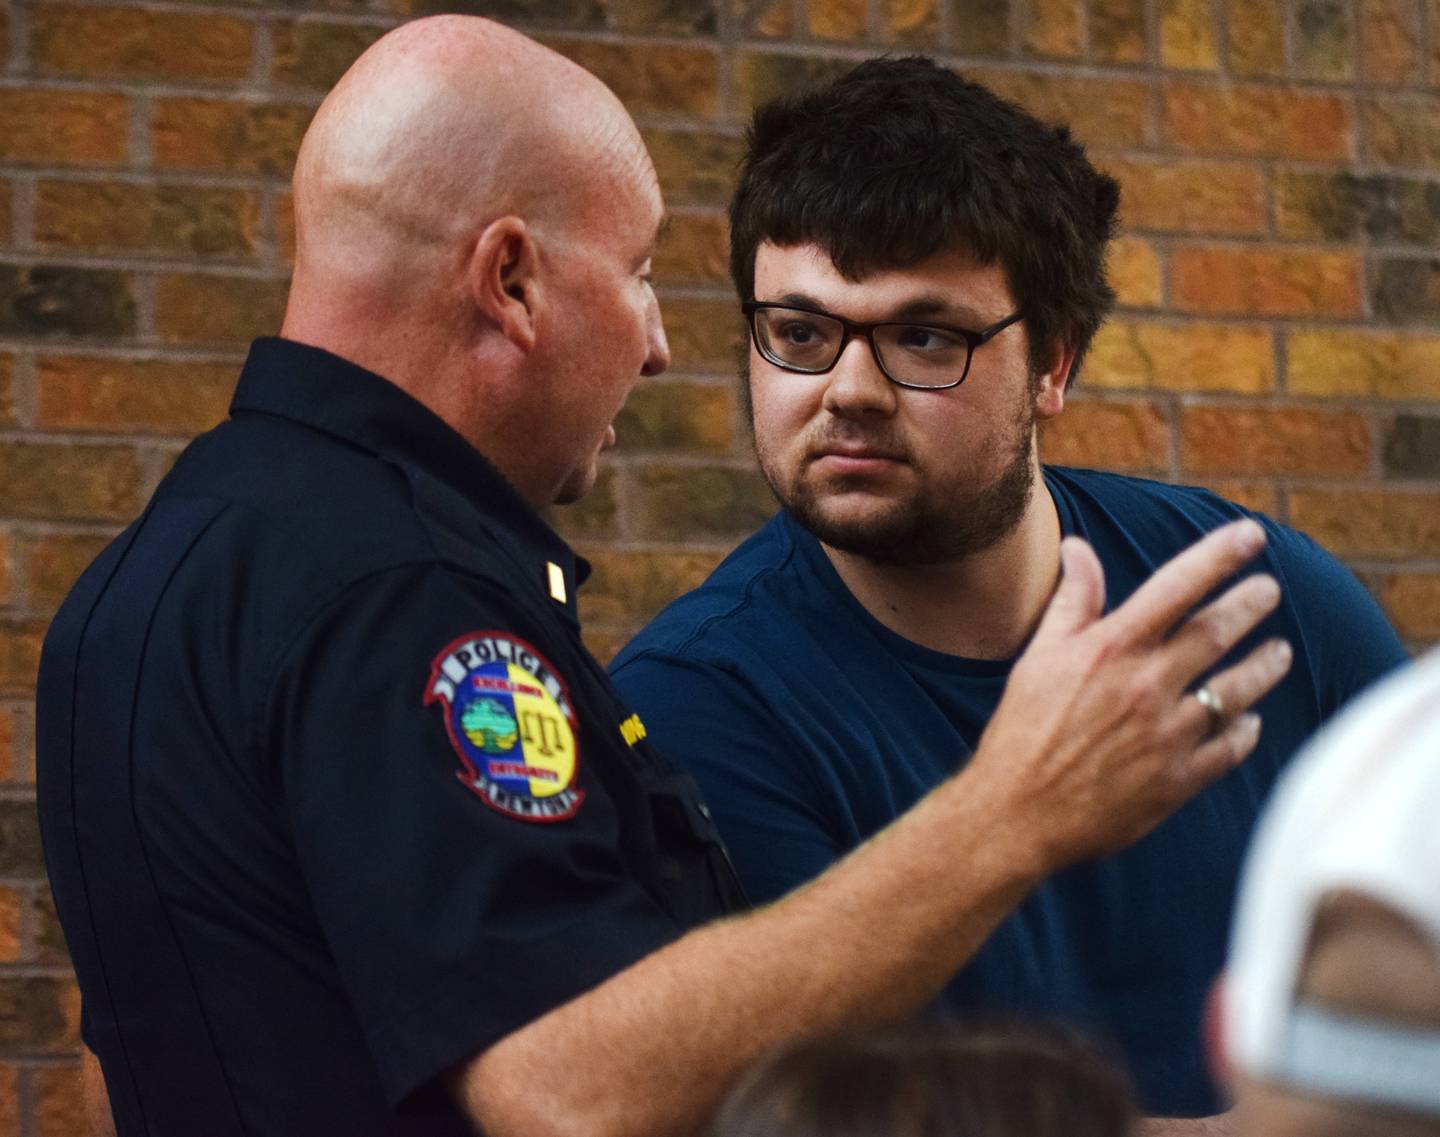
(318, 389)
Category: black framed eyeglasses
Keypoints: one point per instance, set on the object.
(928, 356)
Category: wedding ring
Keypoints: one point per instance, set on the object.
(1214, 707)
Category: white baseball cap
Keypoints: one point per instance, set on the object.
(1358, 811)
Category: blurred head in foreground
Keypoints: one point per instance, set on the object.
(1331, 1003)
(934, 1080)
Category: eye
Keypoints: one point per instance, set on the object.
(919, 338)
(799, 332)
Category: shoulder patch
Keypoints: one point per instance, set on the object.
(512, 724)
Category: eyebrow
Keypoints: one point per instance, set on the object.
(918, 308)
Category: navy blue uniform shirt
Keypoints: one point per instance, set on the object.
(331, 794)
(810, 725)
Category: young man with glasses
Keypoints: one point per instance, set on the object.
(922, 270)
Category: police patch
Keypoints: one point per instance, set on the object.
(511, 722)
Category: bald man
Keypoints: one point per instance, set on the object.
(349, 834)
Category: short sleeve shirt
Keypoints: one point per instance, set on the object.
(333, 796)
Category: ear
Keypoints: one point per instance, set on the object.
(1050, 382)
(503, 280)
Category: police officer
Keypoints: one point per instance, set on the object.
(347, 831)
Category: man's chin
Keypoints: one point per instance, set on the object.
(857, 523)
(576, 486)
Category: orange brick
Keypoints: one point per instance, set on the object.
(705, 335)
(49, 937)
(17, 732)
(8, 557)
(1181, 357)
(227, 137)
(1412, 601)
(837, 19)
(1256, 121)
(683, 417)
(133, 396)
(164, 218)
(680, 503)
(1261, 440)
(20, 641)
(770, 19)
(695, 168)
(1117, 30)
(60, 1105)
(1101, 112)
(1255, 39)
(9, 1101)
(916, 21)
(646, 77)
(650, 16)
(8, 414)
(605, 644)
(218, 309)
(1133, 268)
(68, 128)
(1434, 40)
(1052, 28)
(631, 587)
(1187, 35)
(1262, 497)
(313, 54)
(1107, 436)
(1403, 130)
(694, 249)
(1356, 363)
(53, 562)
(128, 42)
(1190, 195)
(11, 904)
(67, 481)
(285, 227)
(1265, 282)
(980, 27)
(1370, 523)
(8, 744)
(1390, 41)
(762, 76)
(594, 515)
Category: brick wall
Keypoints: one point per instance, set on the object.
(1278, 337)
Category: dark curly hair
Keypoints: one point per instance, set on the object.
(899, 159)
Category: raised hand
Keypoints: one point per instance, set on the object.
(1098, 736)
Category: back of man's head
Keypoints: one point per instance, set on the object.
(900, 159)
(1331, 1004)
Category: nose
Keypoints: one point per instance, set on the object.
(857, 387)
(657, 347)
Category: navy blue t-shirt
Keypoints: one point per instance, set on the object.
(810, 726)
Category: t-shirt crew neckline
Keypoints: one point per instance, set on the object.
(807, 547)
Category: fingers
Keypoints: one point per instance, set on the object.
(1080, 597)
(1242, 685)
(1185, 580)
(1207, 635)
(1217, 755)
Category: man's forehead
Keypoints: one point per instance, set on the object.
(949, 281)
